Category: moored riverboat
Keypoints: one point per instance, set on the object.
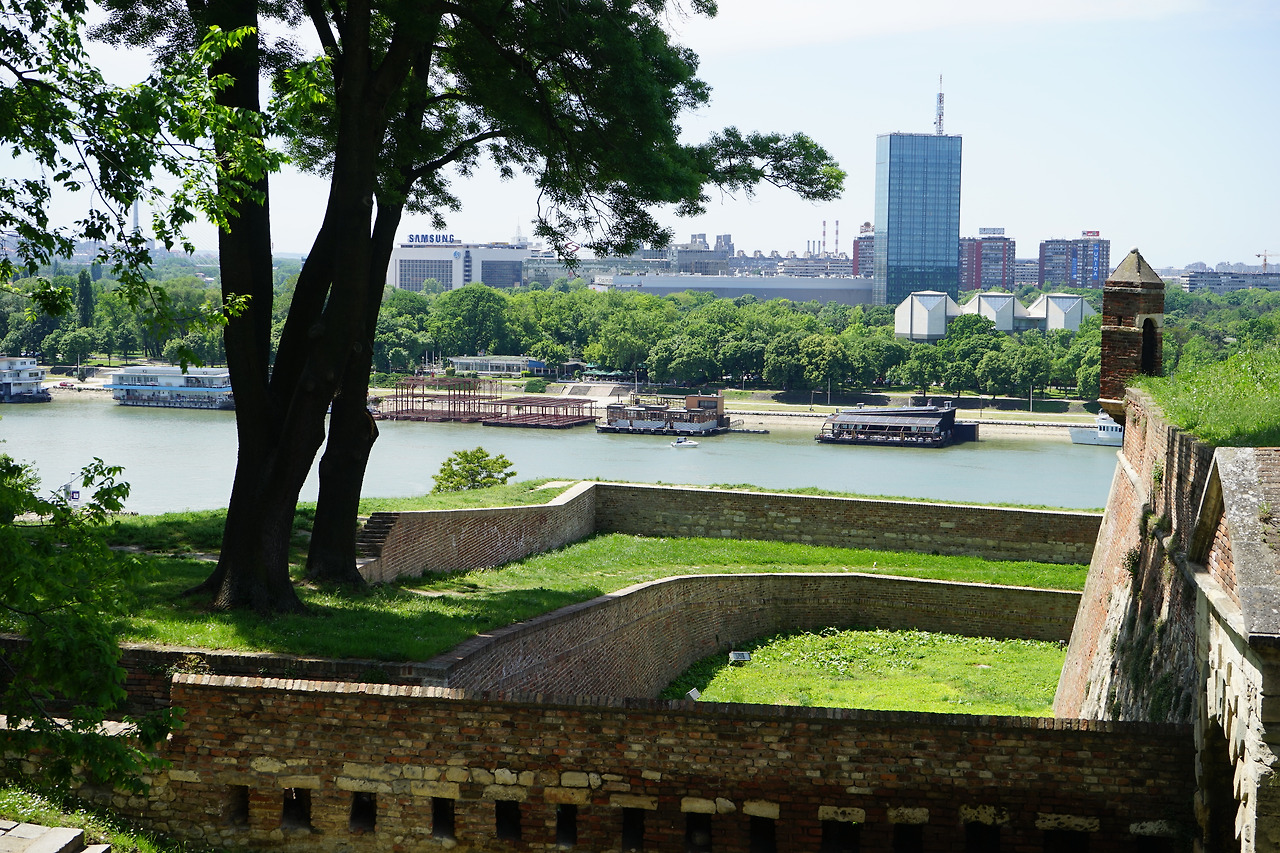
(692, 414)
(168, 386)
(910, 426)
(1105, 432)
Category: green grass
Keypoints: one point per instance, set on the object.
(1232, 403)
(523, 493)
(100, 827)
(885, 671)
(423, 617)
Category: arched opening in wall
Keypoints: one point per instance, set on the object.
(566, 825)
(839, 836)
(632, 830)
(1217, 788)
(981, 837)
(295, 813)
(697, 832)
(236, 808)
(1150, 365)
(364, 811)
(442, 817)
(763, 834)
(908, 838)
(506, 814)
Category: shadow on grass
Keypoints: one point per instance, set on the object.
(382, 622)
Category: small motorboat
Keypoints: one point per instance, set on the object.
(682, 441)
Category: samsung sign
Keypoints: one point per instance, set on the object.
(431, 238)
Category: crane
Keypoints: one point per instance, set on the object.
(1264, 255)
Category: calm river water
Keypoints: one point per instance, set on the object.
(183, 459)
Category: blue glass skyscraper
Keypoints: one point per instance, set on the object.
(917, 215)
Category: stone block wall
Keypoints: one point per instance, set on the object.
(308, 766)
(993, 533)
(634, 642)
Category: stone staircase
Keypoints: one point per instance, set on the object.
(372, 536)
(30, 838)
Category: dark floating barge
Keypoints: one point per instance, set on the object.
(910, 426)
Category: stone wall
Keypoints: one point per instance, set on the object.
(308, 766)
(453, 540)
(634, 642)
(1180, 617)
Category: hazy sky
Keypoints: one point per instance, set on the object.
(1152, 121)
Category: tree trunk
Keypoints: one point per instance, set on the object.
(331, 557)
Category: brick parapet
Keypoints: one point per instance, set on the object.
(994, 533)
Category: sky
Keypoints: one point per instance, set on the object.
(1155, 122)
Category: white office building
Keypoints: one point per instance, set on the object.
(454, 263)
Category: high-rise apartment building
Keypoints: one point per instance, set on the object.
(1085, 262)
(917, 224)
(864, 255)
(987, 262)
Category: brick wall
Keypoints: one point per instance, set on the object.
(380, 767)
(1133, 647)
(989, 532)
(458, 539)
(634, 642)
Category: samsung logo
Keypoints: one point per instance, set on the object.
(431, 238)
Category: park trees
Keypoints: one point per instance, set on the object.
(583, 96)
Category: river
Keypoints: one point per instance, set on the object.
(178, 459)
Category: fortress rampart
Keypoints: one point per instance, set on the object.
(452, 540)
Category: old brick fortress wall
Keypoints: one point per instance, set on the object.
(635, 641)
(378, 767)
(451, 540)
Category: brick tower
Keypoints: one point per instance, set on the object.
(1132, 324)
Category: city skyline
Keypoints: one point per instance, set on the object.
(1146, 120)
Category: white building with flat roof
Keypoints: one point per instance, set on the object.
(454, 263)
(22, 380)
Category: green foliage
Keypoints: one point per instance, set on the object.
(61, 587)
(885, 670)
(536, 386)
(472, 469)
(1232, 403)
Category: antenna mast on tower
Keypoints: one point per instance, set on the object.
(937, 124)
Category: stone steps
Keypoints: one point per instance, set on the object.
(18, 837)
(373, 535)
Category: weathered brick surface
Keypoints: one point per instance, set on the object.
(457, 539)
(404, 746)
(989, 532)
(632, 643)
(1132, 651)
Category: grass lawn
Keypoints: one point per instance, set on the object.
(100, 827)
(1232, 403)
(885, 671)
(423, 617)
